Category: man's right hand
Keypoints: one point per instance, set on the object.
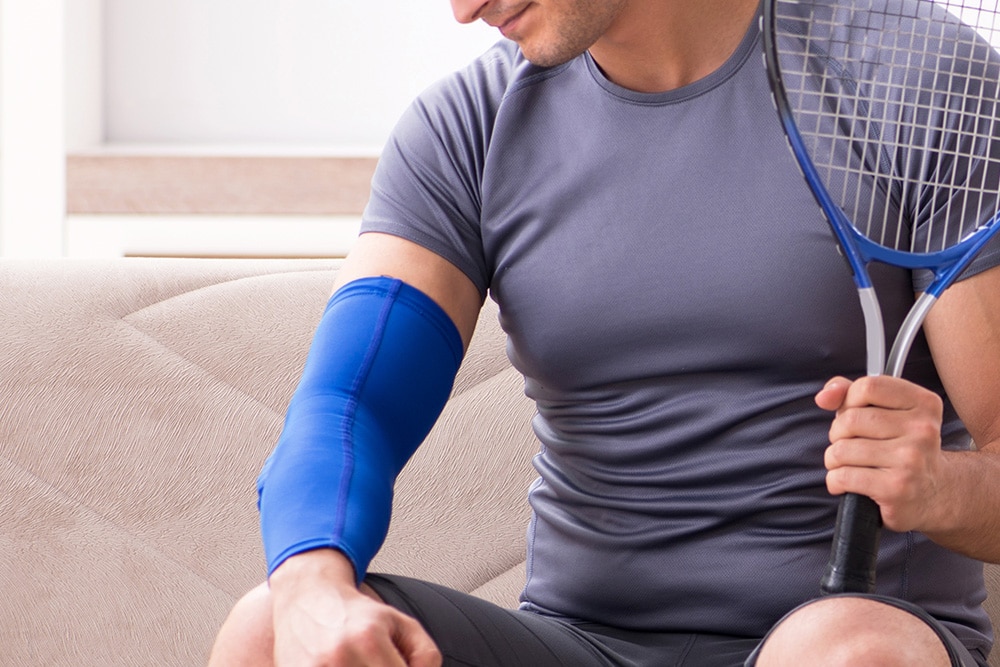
(321, 619)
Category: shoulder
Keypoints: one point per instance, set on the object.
(475, 93)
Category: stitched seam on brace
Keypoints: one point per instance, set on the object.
(347, 472)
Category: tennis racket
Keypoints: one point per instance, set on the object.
(891, 109)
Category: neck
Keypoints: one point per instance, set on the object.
(659, 45)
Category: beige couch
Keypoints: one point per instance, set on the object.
(138, 399)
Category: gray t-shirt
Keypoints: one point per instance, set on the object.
(674, 300)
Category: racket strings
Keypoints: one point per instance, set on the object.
(896, 101)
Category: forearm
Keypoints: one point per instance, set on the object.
(963, 331)
(379, 372)
(966, 515)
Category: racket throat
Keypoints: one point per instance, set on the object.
(874, 330)
(908, 333)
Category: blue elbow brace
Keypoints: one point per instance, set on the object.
(380, 369)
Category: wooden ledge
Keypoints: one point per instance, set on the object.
(210, 185)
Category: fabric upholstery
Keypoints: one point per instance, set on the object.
(138, 400)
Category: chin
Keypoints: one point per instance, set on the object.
(548, 57)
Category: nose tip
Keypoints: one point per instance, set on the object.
(467, 11)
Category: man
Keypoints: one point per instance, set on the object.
(617, 194)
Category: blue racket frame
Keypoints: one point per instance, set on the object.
(854, 551)
(859, 251)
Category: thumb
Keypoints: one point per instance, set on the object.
(833, 393)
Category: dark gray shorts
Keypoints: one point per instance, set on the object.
(470, 631)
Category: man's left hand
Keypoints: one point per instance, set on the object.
(885, 443)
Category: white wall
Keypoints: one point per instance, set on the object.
(32, 147)
(249, 76)
(335, 73)
(84, 75)
(210, 77)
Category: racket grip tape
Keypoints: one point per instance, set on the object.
(854, 552)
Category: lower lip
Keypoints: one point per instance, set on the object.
(508, 28)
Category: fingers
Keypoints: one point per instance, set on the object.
(376, 635)
(882, 408)
(832, 395)
(887, 392)
(321, 619)
(415, 645)
(389, 638)
(885, 443)
(891, 477)
(874, 390)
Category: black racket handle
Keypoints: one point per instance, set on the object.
(855, 547)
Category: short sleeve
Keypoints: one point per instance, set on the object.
(427, 187)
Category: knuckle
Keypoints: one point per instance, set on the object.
(366, 643)
(864, 387)
(834, 482)
(897, 488)
(831, 459)
(849, 420)
(932, 402)
(927, 431)
(340, 653)
(911, 459)
(363, 635)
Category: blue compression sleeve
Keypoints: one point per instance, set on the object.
(380, 369)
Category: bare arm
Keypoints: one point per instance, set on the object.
(320, 616)
(385, 255)
(886, 436)
(963, 331)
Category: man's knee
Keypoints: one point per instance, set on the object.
(839, 631)
(247, 635)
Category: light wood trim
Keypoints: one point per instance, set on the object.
(173, 185)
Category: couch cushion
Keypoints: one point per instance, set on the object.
(138, 399)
